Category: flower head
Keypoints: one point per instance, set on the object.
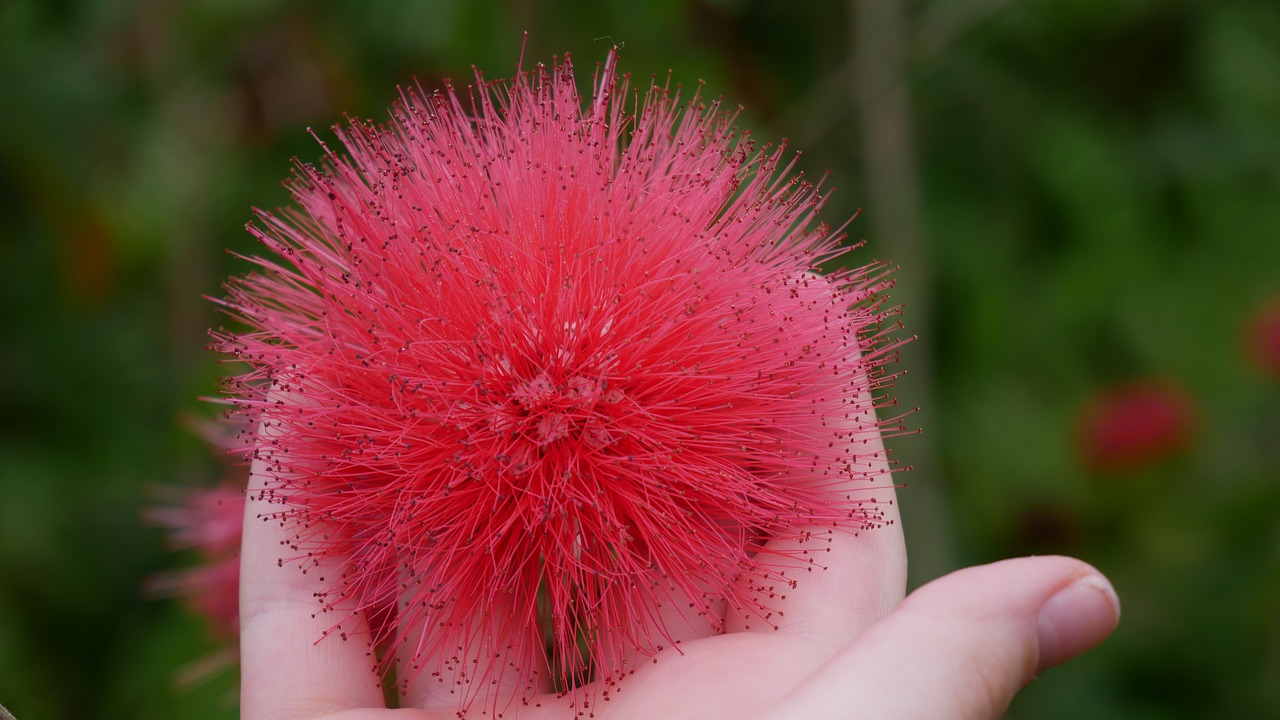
(569, 360)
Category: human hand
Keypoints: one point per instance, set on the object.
(847, 645)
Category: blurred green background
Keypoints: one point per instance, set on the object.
(1083, 194)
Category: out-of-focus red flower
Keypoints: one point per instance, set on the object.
(1262, 339)
(513, 350)
(1128, 427)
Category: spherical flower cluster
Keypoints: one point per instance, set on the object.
(570, 360)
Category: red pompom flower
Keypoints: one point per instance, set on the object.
(530, 369)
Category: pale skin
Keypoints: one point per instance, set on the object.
(849, 643)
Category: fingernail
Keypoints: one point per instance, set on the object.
(1078, 617)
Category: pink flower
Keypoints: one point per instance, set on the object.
(514, 351)
(1129, 427)
(208, 520)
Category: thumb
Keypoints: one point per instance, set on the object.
(964, 645)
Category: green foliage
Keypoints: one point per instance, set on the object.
(1101, 188)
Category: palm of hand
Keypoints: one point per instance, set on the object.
(738, 674)
(847, 645)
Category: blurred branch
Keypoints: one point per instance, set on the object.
(934, 30)
(941, 24)
(882, 103)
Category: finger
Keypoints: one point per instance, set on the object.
(290, 669)
(962, 646)
(845, 579)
